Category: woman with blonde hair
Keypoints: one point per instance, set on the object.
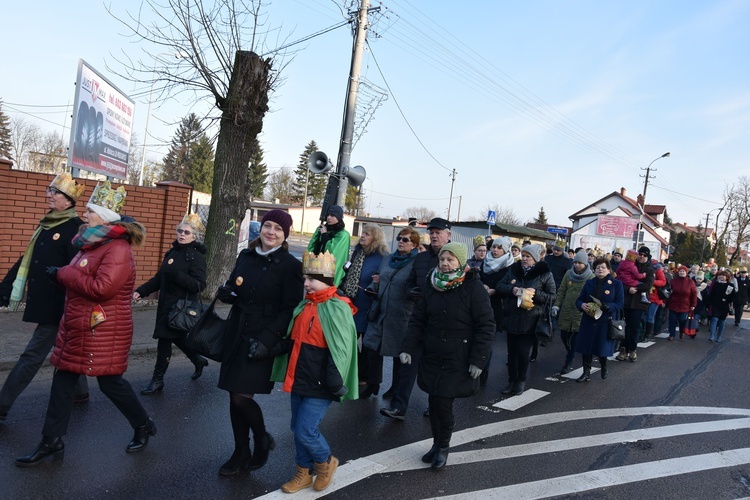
(359, 285)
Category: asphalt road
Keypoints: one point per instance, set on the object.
(674, 424)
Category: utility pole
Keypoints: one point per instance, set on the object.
(450, 200)
(347, 130)
(638, 240)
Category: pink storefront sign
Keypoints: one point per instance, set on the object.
(608, 225)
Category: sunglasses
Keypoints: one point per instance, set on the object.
(184, 231)
(403, 239)
(643, 255)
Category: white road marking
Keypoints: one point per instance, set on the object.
(409, 456)
(661, 335)
(646, 344)
(578, 372)
(613, 476)
(516, 402)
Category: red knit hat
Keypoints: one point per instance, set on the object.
(281, 218)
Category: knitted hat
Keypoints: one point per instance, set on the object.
(683, 268)
(645, 250)
(337, 212)
(281, 218)
(535, 250)
(457, 249)
(581, 257)
(631, 255)
(503, 242)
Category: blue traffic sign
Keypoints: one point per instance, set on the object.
(491, 217)
(557, 230)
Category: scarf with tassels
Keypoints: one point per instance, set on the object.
(95, 236)
(50, 220)
(447, 281)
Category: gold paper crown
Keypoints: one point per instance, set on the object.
(106, 197)
(323, 264)
(479, 241)
(66, 185)
(195, 221)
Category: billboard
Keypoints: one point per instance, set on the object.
(102, 125)
(608, 225)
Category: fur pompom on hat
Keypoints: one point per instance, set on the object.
(457, 249)
(581, 257)
(281, 218)
(535, 250)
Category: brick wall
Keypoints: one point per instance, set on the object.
(160, 209)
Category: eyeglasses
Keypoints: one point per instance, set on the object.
(184, 231)
(403, 239)
(642, 255)
(53, 191)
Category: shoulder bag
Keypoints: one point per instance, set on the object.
(207, 335)
(544, 328)
(616, 327)
(185, 313)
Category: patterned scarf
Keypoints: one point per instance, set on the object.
(493, 265)
(397, 261)
(350, 286)
(50, 220)
(447, 281)
(95, 236)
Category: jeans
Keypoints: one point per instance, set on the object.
(676, 320)
(403, 381)
(632, 319)
(116, 388)
(41, 343)
(653, 308)
(716, 322)
(309, 444)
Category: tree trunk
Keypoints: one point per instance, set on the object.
(243, 110)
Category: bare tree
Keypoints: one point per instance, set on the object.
(25, 136)
(422, 214)
(736, 217)
(504, 215)
(280, 186)
(214, 44)
(49, 154)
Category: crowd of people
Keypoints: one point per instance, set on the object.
(323, 326)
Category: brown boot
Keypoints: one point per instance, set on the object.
(302, 479)
(324, 473)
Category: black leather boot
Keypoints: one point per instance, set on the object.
(200, 363)
(508, 388)
(649, 331)
(586, 376)
(430, 455)
(140, 437)
(49, 447)
(239, 460)
(263, 446)
(156, 384)
(441, 457)
(603, 363)
(435, 427)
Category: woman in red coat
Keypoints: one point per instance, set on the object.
(96, 329)
(684, 298)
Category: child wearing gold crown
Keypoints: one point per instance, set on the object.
(321, 367)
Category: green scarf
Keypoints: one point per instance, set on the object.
(447, 281)
(50, 220)
(335, 318)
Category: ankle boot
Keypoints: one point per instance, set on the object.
(263, 446)
(49, 447)
(324, 473)
(649, 331)
(302, 479)
(140, 437)
(200, 363)
(156, 384)
(239, 460)
(430, 455)
(441, 457)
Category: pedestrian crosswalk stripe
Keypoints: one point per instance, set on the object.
(516, 402)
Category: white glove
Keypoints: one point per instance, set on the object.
(405, 358)
(554, 311)
(474, 371)
(730, 289)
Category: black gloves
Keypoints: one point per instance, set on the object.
(52, 272)
(226, 295)
(258, 350)
(4, 301)
(604, 308)
(415, 293)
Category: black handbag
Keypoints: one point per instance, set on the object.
(207, 335)
(185, 313)
(544, 330)
(616, 328)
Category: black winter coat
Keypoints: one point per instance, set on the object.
(44, 299)
(517, 321)
(496, 301)
(454, 329)
(558, 266)
(424, 263)
(718, 299)
(743, 287)
(633, 300)
(268, 289)
(182, 275)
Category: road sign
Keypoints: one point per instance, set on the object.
(491, 217)
(557, 230)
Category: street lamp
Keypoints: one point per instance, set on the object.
(642, 206)
(177, 55)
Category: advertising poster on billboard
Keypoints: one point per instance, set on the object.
(102, 125)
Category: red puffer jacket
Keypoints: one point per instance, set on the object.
(659, 281)
(96, 281)
(684, 295)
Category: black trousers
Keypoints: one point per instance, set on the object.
(116, 388)
(404, 379)
(442, 420)
(371, 366)
(519, 351)
(632, 319)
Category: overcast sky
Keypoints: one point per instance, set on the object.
(534, 103)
